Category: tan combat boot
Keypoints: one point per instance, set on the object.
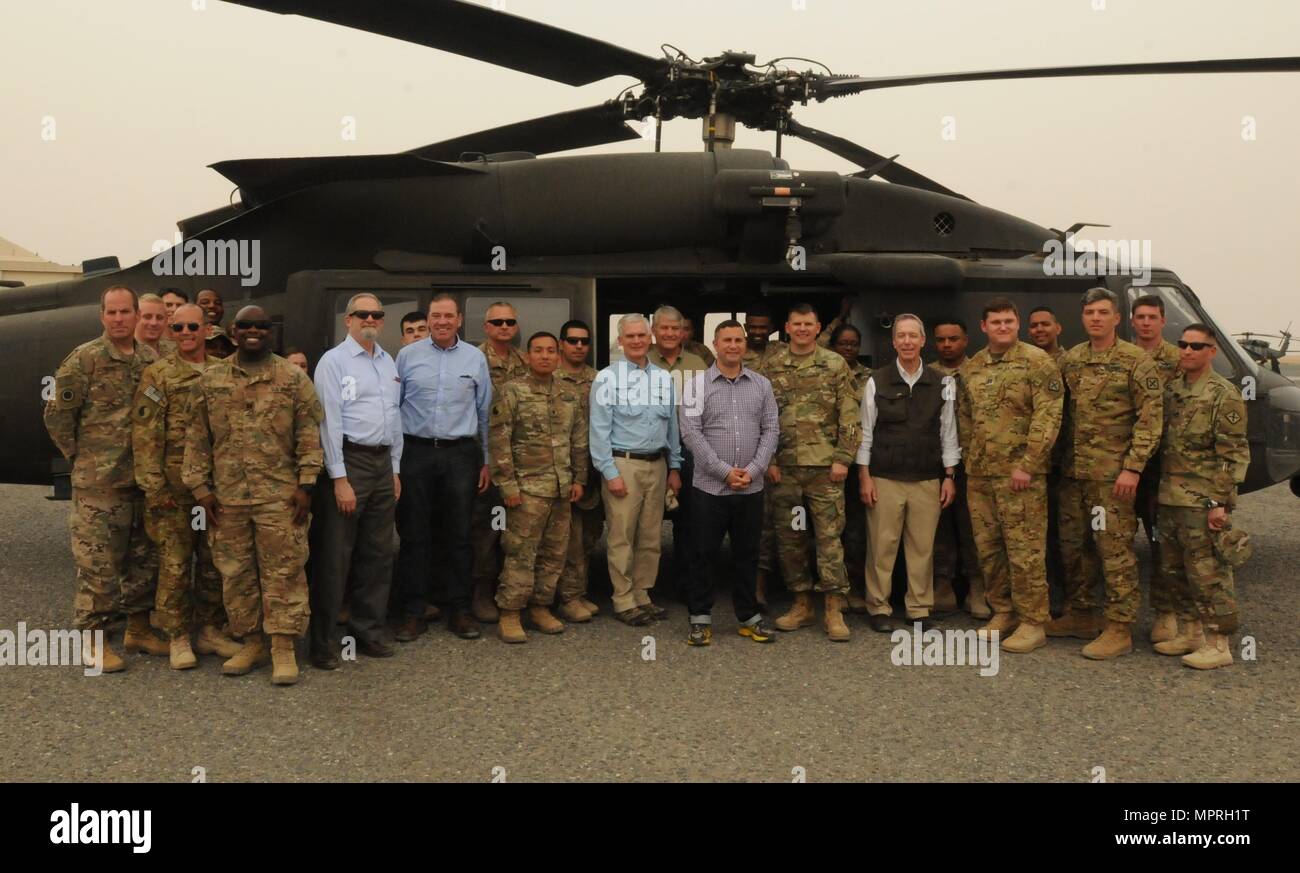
(573, 610)
(857, 604)
(101, 657)
(945, 599)
(284, 665)
(589, 606)
(541, 618)
(181, 655)
(1114, 641)
(1190, 638)
(482, 606)
(1165, 627)
(253, 653)
(833, 620)
(509, 629)
(212, 641)
(801, 614)
(1080, 625)
(976, 603)
(140, 637)
(1215, 653)
(1028, 636)
(1002, 622)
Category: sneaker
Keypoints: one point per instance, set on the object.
(700, 635)
(758, 632)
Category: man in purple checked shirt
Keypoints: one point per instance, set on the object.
(731, 428)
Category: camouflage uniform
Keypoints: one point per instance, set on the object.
(485, 539)
(1114, 408)
(767, 557)
(160, 424)
(1008, 418)
(254, 439)
(538, 447)
(89, 420)
(1163, 598)
(701, 351)
(955, 539)
(854, 539)
(588, 518)
(218, 344)
(1204, 454)
(819, 426)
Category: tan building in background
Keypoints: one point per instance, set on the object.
(19, 265)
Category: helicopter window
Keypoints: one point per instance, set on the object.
(396, 304)
(535, 313)
(1179, 312)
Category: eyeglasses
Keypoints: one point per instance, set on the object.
(363, 314)
(253, 325)
(182, 326)
(1196, 347)
(503, 322)
(578, 340)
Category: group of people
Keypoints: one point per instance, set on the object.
(227, 499)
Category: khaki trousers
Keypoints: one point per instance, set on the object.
(634, 530)
(908, 511)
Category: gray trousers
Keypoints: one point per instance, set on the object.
(361, 544)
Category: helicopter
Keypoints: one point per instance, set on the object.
(1259, 347)
(500, 214)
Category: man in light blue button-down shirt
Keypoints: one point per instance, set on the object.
(446, 399)
(352, 534)
(633, 432)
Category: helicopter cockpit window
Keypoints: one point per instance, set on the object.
(1179, 312)
(395, 303)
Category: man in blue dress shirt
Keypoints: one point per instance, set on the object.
(446, 398)
(361, 435)
(634, 438)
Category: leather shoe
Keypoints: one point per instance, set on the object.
(656, 612)
(464, 625)
(410, 629)
(881, 624)
(927, 624)
(376, 648)
(325, 661)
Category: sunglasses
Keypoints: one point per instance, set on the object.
(503, 322)
(1196, 347)
(578, 340)
(253, 325)
(363, 314)
(182, 326)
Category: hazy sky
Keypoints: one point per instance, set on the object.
(143, 94)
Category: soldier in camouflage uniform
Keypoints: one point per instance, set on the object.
(1204, 454)
(954, 541)
(846, 341)
(1147, 315)
(501, 325)
(1045, 332)
(188, 598)
(251, 460)
(1009, 414)
(538, 447)
(694, 346)
(759, 350)
(1114, 413)
(819, 439)
(218, 344)
(89, 419)
(588, 517)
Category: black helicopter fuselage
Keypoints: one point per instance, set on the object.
(588, 237)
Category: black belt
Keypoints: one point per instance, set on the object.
(435, 442)
(377, 450)
(639, 456)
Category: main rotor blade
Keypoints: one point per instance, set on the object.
(575, 129)
(478, 32)
(840, 86)
(263, 179)
(866, 158)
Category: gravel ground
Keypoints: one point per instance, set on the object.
(588, 706)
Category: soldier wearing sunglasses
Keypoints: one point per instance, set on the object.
(588, 517)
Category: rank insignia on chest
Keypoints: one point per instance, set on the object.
(1233, 417)
(1153, 383)
(1054, 385)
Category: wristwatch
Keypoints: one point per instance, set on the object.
(1212, 504)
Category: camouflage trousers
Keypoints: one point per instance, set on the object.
(854, 537)
(116, 563)
(1164, 598)
(767, 552)
(1200, 581)
(1097, 531)
(261, 554)
(826, 510)
(189, 595)
(954, 542)
(485, 538)
(1010, 531)
(584, 533)
(535, 542)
